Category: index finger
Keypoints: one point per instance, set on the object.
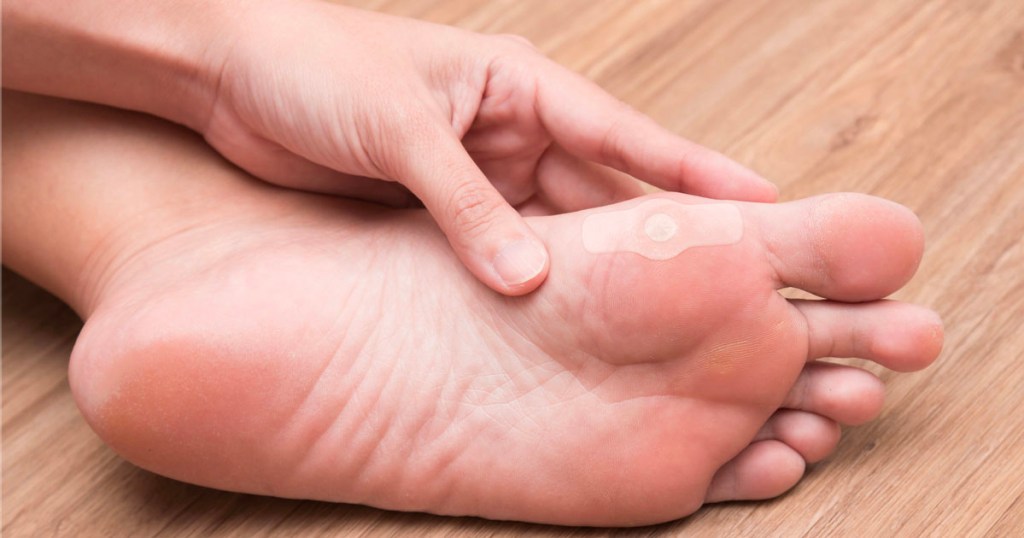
(593, 125)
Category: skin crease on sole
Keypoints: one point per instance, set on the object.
(251, 338)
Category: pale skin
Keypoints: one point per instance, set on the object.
(321, 97)
(252, 338)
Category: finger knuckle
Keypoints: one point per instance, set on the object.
(391, 140)
(472, 209)
(612, 148)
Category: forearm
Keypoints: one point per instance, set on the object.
(156, 56)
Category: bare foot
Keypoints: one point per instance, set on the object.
(261, 340)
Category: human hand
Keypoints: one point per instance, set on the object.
(326, 98)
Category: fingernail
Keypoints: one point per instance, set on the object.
(520, 261)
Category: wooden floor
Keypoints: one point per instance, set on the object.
(918, 101)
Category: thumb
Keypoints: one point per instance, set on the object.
(490, 237)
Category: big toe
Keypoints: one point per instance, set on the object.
(847, 247)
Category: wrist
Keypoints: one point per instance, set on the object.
(193, 62)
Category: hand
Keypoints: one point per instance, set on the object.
(321, 97)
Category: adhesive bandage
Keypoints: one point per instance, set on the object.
(662, 229)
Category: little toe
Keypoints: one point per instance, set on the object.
(763, 470)
(844, 394)
(810, 434)
(899, 336)
(847, 247)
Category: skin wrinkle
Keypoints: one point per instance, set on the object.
(803, 391)
(762, 341)
(445, 446)
(568, 367)
(460, 118)
(772, 260)
(312, 389)
(722, 358)
(819, 343)
(123, 268)
(218, 68)
(108, 260)
(533, 343)
(437, 447)
(600, 284)
(610, 150)
(354, 356)
(96, 273)
(380, 437)
(856, 336)
(820, 243)
(750, 344)
(355, 400)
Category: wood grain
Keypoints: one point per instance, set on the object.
(921, 102)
